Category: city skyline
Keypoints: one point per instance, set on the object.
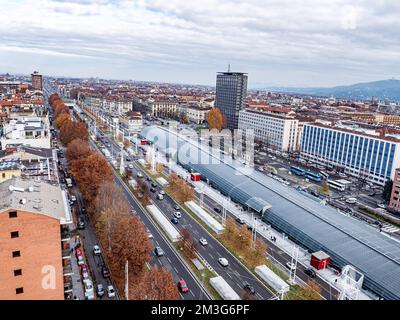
(314, 45)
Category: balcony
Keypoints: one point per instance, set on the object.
(67, 270)
(66, 253)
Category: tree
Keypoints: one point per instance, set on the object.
(324, 189)
(90, 173)
(188, 245)
(215, 119)
(61, 120)
(311, 291)
(60, 108)
(181, 190)
(130, 243)
(159, 168)
(77, 149)
(157, 284)
(71, 131)
(387, 190)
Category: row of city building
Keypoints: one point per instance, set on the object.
(35, 211)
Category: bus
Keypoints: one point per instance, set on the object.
(313, 176)
(336, 185)
(297, 171)
(324, 175)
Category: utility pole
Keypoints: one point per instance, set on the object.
(293, 265)
(122, 164)
(224, 205)
(126, 281)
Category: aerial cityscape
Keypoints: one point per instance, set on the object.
(190, 175)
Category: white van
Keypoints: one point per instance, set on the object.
(160, 197)
(351, 200)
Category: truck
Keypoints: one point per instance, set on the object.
(68, 181)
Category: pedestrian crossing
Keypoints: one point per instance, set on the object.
(389, 228)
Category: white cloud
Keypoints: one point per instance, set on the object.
(327, 39)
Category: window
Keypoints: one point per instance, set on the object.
(18, 272)
(19, 290)
(14, 234)
(16, 254)
(12, 214)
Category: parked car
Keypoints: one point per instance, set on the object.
(223, 262)
(176, 207)
(105, 272)
(310, 272)
(162, 192)
(240, 220)
(177, 214)
(154, 185)
(159, 252)
(130, 165)
(84, 272)
(88, 285)
(182, 286)
(160, 197)
(110, 291)
(81, 224)
(152, 190)
(73, 198)
(203, 241)
(96, 250)
(100, 290)
(174, 220)
(247, 287)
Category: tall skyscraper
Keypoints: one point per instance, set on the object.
(230, 96)
(37, 81)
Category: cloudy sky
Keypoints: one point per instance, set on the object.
(278, 42)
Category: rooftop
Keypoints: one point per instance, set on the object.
(35, 196)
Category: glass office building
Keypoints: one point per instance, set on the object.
(312, 225)
(231, 91)
(363, 155)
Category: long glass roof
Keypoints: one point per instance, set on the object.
(351, 241)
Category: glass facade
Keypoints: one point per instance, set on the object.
(360, 154)
(231, 91)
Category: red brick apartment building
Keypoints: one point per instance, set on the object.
(34, 244)
(394, 203)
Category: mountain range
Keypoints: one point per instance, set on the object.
(382, 90)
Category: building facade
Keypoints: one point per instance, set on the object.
(394, 202)
(231, 91)
(37, 81)
(34, 249)
(278, 131)
(360, 154)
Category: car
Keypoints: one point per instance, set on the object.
(310, 272)
(154, 185)
(291, 266)
(88, 285)
(84, 271)
(152, 190)
(96, 250)
(174, 220)
(100, 290)
(159, 252)
(203, 241)
(110, 291)
(73, 198)
(148, 179)
(83, 210)
(105, 272)
(81, 224)
(130, 166)
(218, 210)
(176, 207)
(162, 192)
(247, 287)
(182, 286)
(381, 205)
(177, 214)
(140, 175)
(223, 262)
(240, 220)
(160, 197)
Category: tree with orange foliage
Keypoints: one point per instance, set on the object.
(130, 243)
(157, 284)
(61, 120)
(53, 97)
(73, 130)
(90, 173)
(215, 119)
(78, 149)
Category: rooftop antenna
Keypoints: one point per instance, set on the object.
(229, 67)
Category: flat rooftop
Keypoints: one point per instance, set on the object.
(35, 196)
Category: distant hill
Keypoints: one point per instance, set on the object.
(384, 89)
